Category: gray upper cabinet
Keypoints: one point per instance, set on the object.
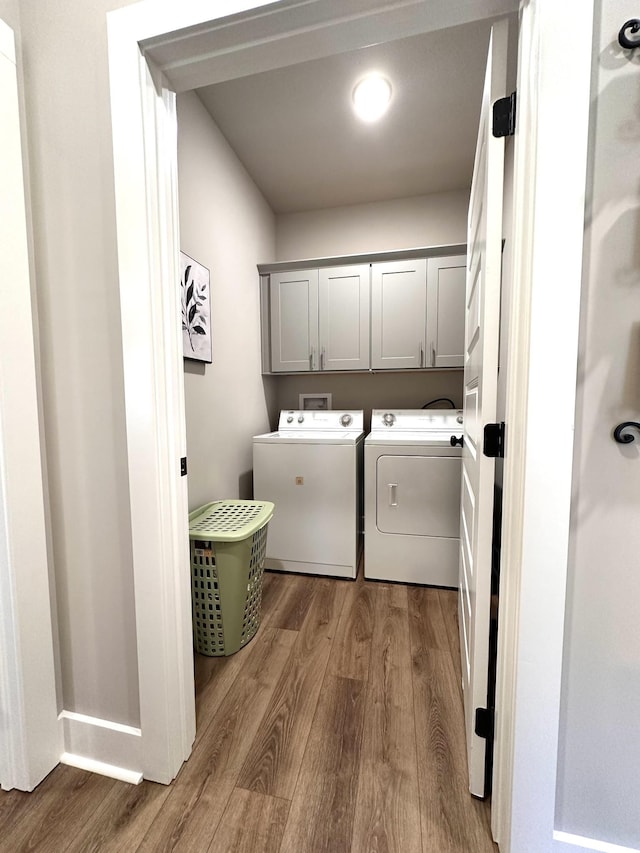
(389, 315)
(446, 287)
(398, 314)
(320, 319)
(344, 318)
(294, 321)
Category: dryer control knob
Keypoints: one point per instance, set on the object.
(388, 419)
(300, 419)
(290, 419)
(459, 419)
(346, 420)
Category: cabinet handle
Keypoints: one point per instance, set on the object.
(421, 355)
(393, 494)
(433, 355)
(311, 358)
(322, 359)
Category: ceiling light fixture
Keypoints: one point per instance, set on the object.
(371, 97)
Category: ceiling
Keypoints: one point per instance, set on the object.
(294, 130)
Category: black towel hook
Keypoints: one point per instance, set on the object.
(631, 26)
(621, 435)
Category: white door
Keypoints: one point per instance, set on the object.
(344, 318)
(294, 321)
(484, 240)
(398, 314)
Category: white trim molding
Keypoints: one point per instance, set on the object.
(30, 741)
(565, 842)
(102, 746)
(251, 37)
(145, 155)
(541, 378)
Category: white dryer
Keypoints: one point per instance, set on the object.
(412, 496)
(311, 469)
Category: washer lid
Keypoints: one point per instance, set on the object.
(346, 436)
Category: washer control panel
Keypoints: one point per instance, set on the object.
(293, 419)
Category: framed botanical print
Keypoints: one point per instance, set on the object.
(195, 301)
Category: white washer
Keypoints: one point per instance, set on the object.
(311, 469)
(412, 496)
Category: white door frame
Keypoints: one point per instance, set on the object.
(550, 174)
(150, 55)
(30, 734)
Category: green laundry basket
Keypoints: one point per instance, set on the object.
(228, 544)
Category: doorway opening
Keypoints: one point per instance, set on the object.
(138, 177)
(271, 121)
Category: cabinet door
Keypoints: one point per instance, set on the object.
(445, 311)
(398, 314)
(344, 318)
(294, 320)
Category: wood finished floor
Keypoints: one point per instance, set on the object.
(338, 728)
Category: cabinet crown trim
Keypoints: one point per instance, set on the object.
(365, 258)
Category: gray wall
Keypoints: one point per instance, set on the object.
(430, 220)
(225, 224)
(599, 772)
(405, 223)
(71, 175)
(392, 390)
(10, 14)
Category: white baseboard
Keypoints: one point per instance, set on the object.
(102, 746)
(564, 842)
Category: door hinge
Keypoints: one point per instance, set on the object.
(183, 466)
(484, 723)
(504, 116)
(494, 441)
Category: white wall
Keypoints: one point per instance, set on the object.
(71, 175)
(225, 224)
(599, 771)
(405, 223)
